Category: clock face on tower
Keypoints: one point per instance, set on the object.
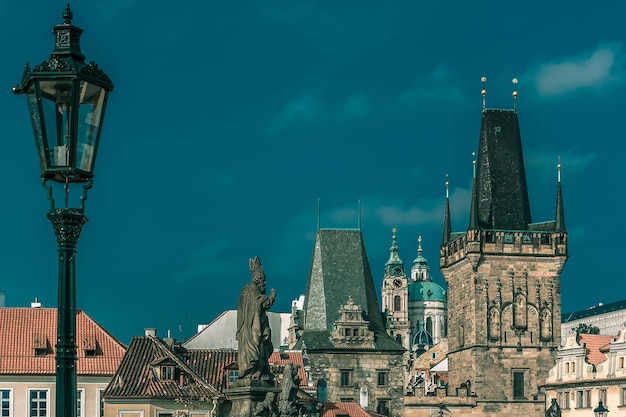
(396, 270)
(397, 282)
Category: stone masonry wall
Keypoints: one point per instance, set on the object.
(364, 367)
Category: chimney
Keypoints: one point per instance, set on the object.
(150, 331)
(169, 340)
(36, 303)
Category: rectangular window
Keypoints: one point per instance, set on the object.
(622, 396)
(5, 402)
(383, 407)
(79, 403)
(101, 401)
(518, 384)
(383, 378)
(620, 362)
(583, 399)
(167, 373)
(38, 403)
(232, 377)
(346, 377)
(602, 395)
(563, 399)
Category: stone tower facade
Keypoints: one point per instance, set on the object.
(350, 357)
(503, 275)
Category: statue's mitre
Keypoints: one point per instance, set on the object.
(255, 268)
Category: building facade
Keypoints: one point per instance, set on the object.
(607, 318)
(589, 369)
(28, 365)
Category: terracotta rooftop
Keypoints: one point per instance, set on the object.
(205, 371)
(29, 336)
(280, 359)
(595, 345)
(344, 409)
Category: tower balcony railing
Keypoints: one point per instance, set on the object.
(497, 241)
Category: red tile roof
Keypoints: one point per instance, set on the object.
(27, 331)
(343, 409)
(280, 359)
(595, 344)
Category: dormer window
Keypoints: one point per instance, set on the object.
(40, 345)
(90, 345)
(167, 372)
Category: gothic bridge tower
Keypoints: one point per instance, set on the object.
(503, 275)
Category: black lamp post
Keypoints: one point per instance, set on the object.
(600, 410)
(66, 100)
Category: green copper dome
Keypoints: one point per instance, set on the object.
(426, 291)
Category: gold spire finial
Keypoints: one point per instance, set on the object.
(447, 187)
(474, 164)
(515, 81)
(558, 169)
(483, 79)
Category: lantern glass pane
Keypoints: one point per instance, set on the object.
(35, 118)
(91, 106)
(57, 107)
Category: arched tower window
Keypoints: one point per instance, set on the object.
(399, 338)
(396, 303)
(429, 325)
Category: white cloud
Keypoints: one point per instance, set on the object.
(600, 69)
(357, 106)
(439, 85)
(307, 109)
(573, 160)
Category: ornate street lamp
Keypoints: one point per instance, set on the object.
(66, 100)
(600, 410)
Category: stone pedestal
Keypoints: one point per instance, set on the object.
(250, 396)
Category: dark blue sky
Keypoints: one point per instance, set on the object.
(230, 119)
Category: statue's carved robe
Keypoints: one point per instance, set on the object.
(253, 333)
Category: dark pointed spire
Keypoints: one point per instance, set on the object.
(501, 190)
(473, 219)
(447, 228)
(560, 215)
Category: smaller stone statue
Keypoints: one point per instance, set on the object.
(289, 391)
(253, 329)
(554, 410)
(267, 407)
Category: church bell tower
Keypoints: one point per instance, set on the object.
(395, 297)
